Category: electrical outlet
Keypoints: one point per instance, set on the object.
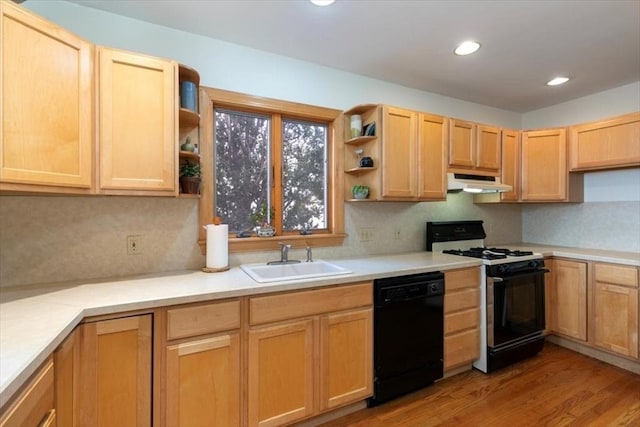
(397, 234)
(134, 244)
(366, 234)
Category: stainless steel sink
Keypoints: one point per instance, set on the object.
(263, 273)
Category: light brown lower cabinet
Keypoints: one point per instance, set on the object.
(202, 372)
(616, 309)
(34, 406)
(461, 317)
(568, 298)
(281, 363)
(203, 382)
(66, 361)
(308, 352)
(114, 385)
(346, 359)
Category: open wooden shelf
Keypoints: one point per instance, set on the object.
(359, 140)
(188, 120)
(189, 155)
(358, 171)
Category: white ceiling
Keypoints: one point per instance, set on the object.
(410, 42)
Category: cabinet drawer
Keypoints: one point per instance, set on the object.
(459, 279)
(461, 320)
(617, 274)
(35, 404)
(461, 300)
(461, 348)
(202, 319)
(309, 303)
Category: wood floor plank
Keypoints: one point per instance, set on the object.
(556, 388)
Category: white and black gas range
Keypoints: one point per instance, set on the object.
(511, 296)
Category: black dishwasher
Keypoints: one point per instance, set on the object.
(407, 334)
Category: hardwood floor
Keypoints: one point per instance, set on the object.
(556, 388)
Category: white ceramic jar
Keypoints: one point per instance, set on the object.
(356, 125)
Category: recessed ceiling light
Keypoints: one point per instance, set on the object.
(322, 2)
(466, 48)
(557, 81)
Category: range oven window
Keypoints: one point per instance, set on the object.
(515, 307)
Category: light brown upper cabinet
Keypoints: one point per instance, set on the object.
(606, 144)
(474, 148)
(399, 147)
(432, 157)
(408, 151)
(47, 99)
(137, 131)
(545, 175)
(510, 171)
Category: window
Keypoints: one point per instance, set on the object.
(270, 162)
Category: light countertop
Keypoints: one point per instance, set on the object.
(35, 320)
(597, 255)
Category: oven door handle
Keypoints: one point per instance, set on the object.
(516, 276)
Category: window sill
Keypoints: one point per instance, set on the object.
(252, 244)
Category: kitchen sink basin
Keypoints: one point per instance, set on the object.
(264, 273)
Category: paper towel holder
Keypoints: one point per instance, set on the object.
(216, 221)
(215, 270)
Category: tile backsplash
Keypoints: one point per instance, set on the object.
(598, 225)
(53, 239)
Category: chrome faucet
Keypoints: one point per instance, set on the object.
(284, 256)
(284, 252)
(309, 255)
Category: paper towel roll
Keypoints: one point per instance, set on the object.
(217, 245)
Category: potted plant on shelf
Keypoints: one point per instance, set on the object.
(262, 218)
(190, 177)
(360, 191)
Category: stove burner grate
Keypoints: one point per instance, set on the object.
(488, 253)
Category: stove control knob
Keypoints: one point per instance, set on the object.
(534, 264)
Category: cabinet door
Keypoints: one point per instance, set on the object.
(568, 299)
(280, 371)
(115, 373)
(346, 356)
(137, 130)
(461, 317)
(34, 405)
(203, 382)
(432, 157)
(46, 128)
(66, 362)
(606, 144)
(616, 318)
(510, 171)
(488, 148)
(398, 153)
(462, 143)
(544, 165)
(461, 348)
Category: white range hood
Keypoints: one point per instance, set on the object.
(475, 183)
